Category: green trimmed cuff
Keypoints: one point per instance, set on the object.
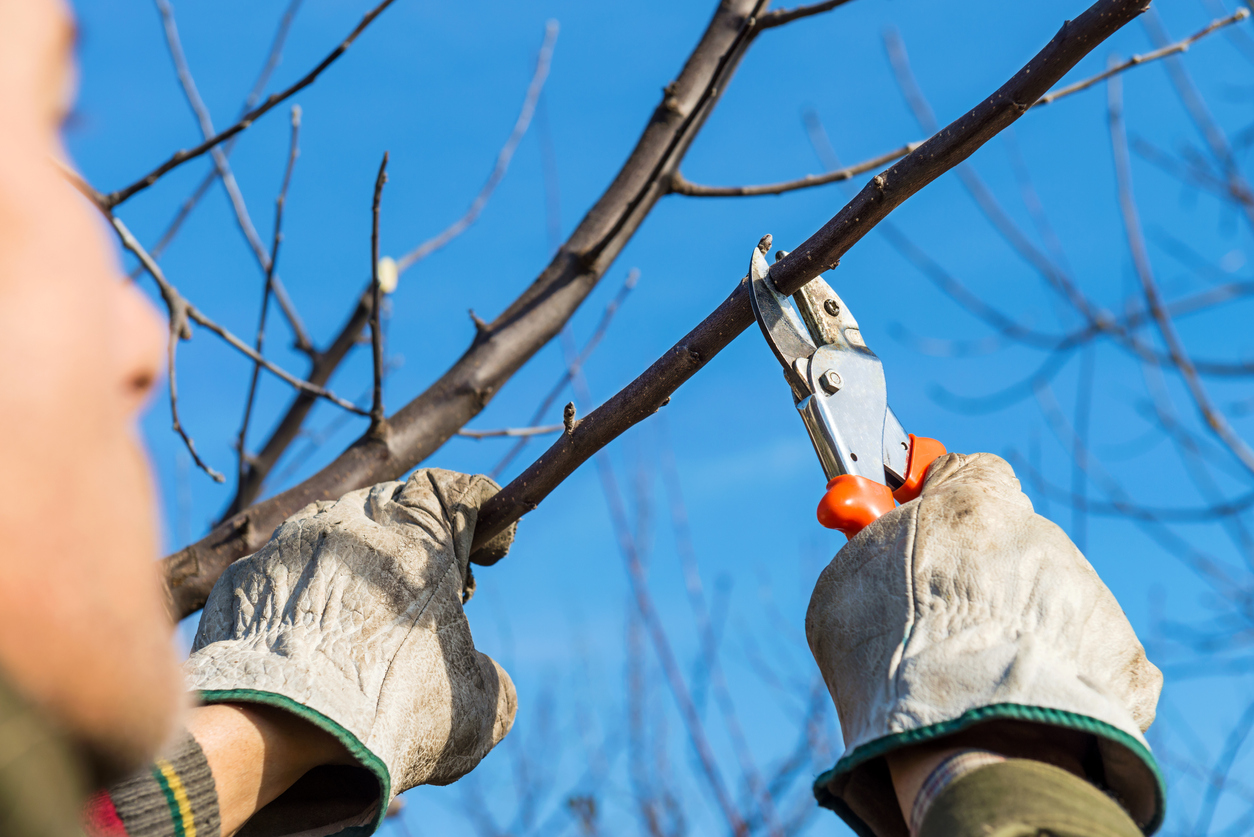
(315, 783)
(861, 774)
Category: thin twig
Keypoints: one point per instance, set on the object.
(572, 368)
(1223, 766)
(682, 186)
(259, 86)
(172, 384)
(778, 17)
(268, 288)
(242, 217)
(178, 158)
(1216, 140)
(503, 157)
(1162, 52)
(181, 311)
(512, 432)
(1211, 415)
(376, 336)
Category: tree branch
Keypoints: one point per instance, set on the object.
(259, 86)
(1211, 415)
(778, 17)
(279, 205)
(680, 185)
(822, 251)
(423, 425)
(242, 218)
(327, 361)
(180, 157)
(503, 158)
(376, 337)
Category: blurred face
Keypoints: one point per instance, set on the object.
(83, 629)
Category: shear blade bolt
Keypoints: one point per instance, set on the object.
(831, 307)
(830, 381)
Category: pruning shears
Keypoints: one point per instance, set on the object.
(838, 388)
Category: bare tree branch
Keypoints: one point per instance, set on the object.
(682, 186)
(1216, 140)
(259, 86)
(173, 385)
(1162, 52)
(243, 220)
(512, 432)
(327, 361)
(181, 311)
(376, 336)
(822, 251)
(259, 342)
(778, 17)
(543, 62)
(423, 425)
(112, 199)
(571, 369)
(1211, 415)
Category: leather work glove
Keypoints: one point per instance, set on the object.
(963, 607)
(351, 618)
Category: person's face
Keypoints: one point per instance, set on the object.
(83, 629)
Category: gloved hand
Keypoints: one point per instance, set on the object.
(351, 618)
(963, 607)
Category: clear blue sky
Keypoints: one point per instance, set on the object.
(440, 85)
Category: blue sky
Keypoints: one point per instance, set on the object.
(439, 87)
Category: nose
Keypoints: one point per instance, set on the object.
(140, 342)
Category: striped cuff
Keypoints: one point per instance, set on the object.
(959, 764)
(173, 797)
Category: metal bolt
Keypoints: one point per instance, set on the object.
(830, 381)
(905, 446)
(831, 306)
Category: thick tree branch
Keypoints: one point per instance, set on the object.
(822, 251)
(180, 157)
(423, 425)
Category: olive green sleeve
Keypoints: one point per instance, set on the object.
(1021, 798)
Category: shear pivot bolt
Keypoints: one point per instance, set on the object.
(830, 381)
(832, 307)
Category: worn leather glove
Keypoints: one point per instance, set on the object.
(962, 607)
(351, 617)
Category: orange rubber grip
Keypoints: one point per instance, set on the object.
(923, 452)
(852, 503)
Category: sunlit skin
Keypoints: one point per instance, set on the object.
(84, 633)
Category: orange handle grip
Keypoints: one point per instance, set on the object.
(852, 503)
(923, 452)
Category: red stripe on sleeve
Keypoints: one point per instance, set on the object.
(100, 817)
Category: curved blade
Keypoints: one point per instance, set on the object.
(785, 333)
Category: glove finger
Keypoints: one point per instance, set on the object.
(457, 497)
(980, 473)
(506, 697)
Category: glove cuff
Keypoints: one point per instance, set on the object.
(336, 821)
(861, 775)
